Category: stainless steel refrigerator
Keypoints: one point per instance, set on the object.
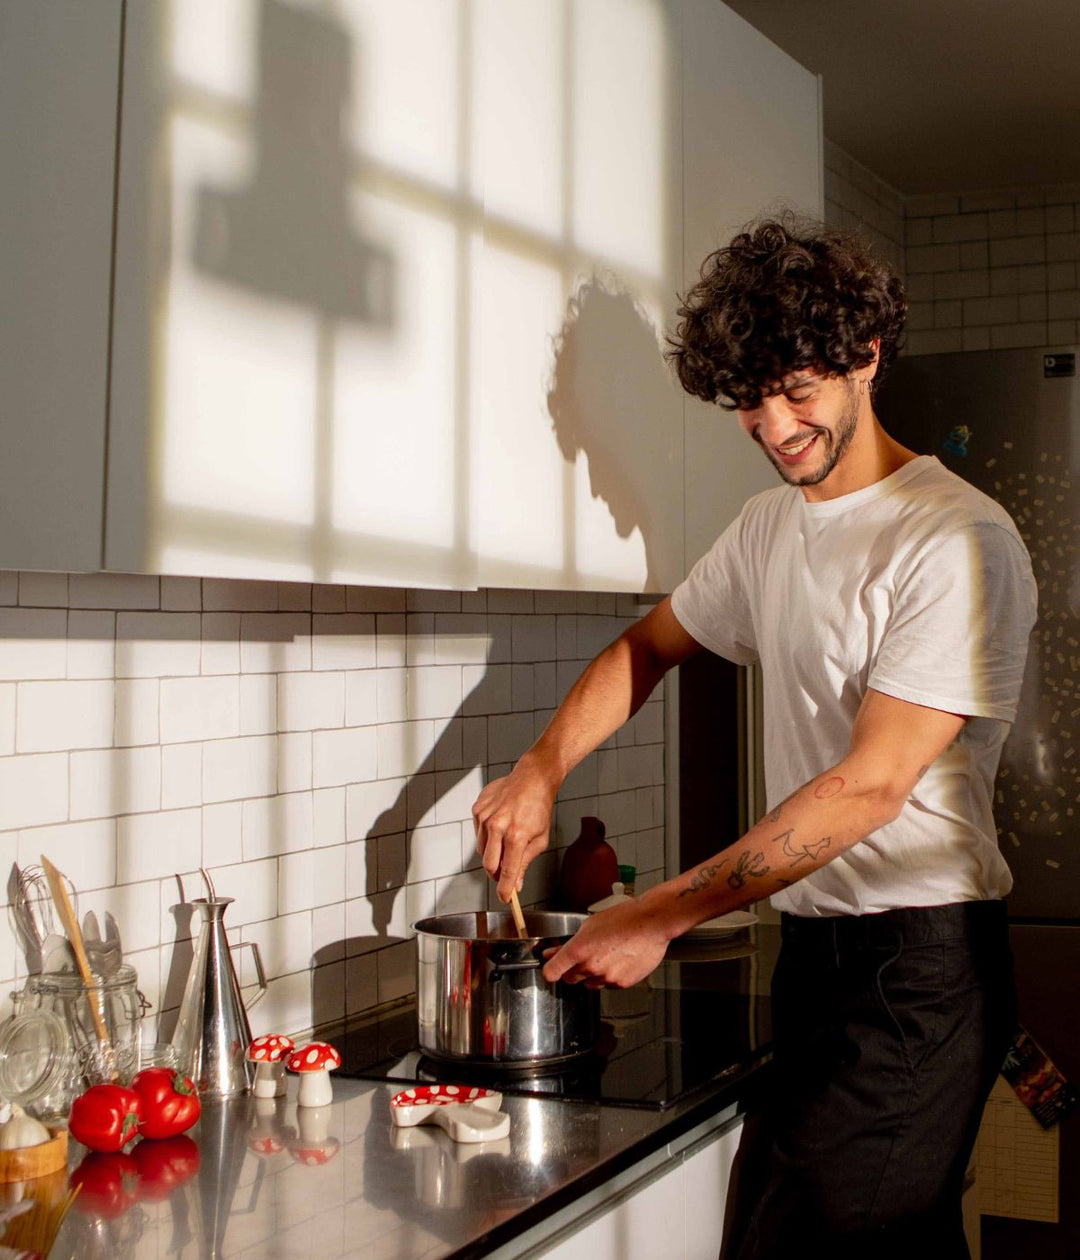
(1009, 422)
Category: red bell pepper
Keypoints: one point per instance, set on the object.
(170, 1104)
(106, 1117)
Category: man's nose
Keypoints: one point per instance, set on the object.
(776, 420)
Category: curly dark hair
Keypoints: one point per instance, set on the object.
(786, 294)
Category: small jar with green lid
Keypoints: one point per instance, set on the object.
(627, 875)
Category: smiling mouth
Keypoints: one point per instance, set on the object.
(792, 453)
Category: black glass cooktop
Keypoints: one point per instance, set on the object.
(701, 1016)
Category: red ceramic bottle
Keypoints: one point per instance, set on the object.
(589, 867)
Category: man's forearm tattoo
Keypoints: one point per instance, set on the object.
(798, 852)
(829, 787)
(748, 866)
(703, 878)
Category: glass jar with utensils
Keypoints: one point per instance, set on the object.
(112, 1004)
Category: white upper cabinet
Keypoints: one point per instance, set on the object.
(752, 144)
(389, 283)
(59, 83)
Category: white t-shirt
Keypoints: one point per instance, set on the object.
(918, 586)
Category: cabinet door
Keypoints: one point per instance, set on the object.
(59, 78)
(289, 388)
(577, 455)
(752, 143)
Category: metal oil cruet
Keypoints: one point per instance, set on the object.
(212, 1031)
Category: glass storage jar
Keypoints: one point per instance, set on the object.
(116, 998)
(36, 1064)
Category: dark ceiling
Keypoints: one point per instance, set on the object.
(941, 95)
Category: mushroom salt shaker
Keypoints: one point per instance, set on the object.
(268, 1054)
(313, 1064)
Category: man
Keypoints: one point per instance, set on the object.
(889, 604)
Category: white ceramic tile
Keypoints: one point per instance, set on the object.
(500, 628)
(284, 943)
(345, 756)
(372, 920)
(328, 933)
(392, 860)
(273, 643)
(374, 808)
(328, 816)
(474, 741)
(296, 883)
(108, 782)
(566, 674)
(390, 639)
(274, 825)
(396, 967)
(222, 834)
(311, 701)
(461, 639)
(181, 594)
(153, 846)
(43, 590)
(565, 637)
(361, 983)
(294, 762)
(521, 687)
(328, 598)
(618, 810)
(136, 910)
(232, 595)
(448, 749)
(433, 691)
(286, 1008)
(238, 768)
(375, 599)
(157, 644)
(258, 704)
(420, 801)
(254, 888)
(509, 735)
(7, 724)
(220, 652)
(649, 847)
(434, 852)
(545, 695)
(390, 695)
(294, 596)
(34, 643)
(199, 708)
(346, 641)
(113, 590)
(52, 716)
(510, 601)
(456, 794)
(533, 638)
(33, 790)
(181, 775)
(402, 747)
(581, 781)
(361, 696)
(91, 651)
(179, 919)
(136, 720)
(486, 689)
(362, 869)
(84, 851)
(607, 770)
(420, 639)
(9, 587)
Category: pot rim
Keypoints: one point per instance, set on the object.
(427, 926)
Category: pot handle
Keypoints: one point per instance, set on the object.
(529, 964)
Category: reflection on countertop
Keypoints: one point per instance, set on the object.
(282, 1181)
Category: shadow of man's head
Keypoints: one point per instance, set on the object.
(609, 395)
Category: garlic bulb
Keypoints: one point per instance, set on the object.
(22, 1130)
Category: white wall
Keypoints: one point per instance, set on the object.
(317, 748)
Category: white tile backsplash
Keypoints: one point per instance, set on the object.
(317, 749)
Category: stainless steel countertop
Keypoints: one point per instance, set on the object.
(383, 1194)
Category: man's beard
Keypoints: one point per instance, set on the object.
(837, 443)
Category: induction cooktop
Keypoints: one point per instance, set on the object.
(703, 1015)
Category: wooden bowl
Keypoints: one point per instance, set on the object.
(27, 1162)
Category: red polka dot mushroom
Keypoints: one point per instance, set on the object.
(268, 1055)
(313, 1063)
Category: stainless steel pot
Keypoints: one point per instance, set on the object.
(482, 997)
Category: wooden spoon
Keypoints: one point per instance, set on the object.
(519, 918)
(66, 913)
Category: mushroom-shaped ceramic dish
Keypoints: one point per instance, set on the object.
(467, 1113)
(313, 1063)
(268, 1055)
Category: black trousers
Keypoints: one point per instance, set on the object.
(889, 1031)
